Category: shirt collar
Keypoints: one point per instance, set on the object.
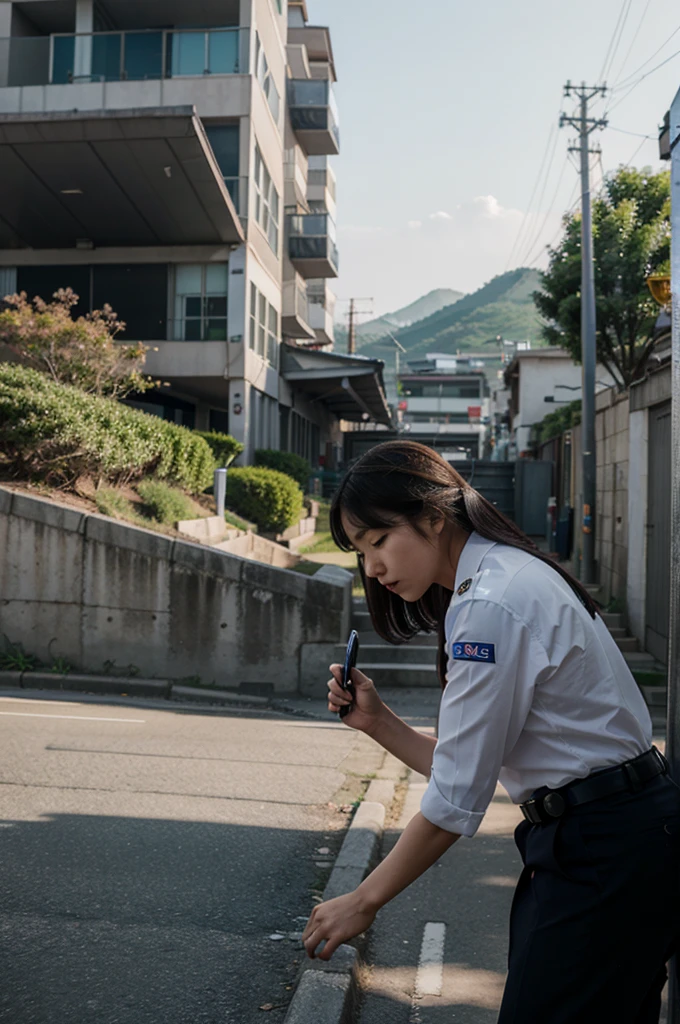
(476, 547)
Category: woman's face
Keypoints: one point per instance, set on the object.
(402, 559)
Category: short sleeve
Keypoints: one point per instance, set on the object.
(494, 661)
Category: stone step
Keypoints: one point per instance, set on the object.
(641, 660)
(613, 620)
(383, 674)
(628, 644)
(618, 632)
(369, 636)
(387, 654)
(656, 696)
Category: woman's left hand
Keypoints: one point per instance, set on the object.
(335, 922)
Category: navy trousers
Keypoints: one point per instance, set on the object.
(596, 913)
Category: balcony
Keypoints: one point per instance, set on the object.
(295, 311)
(321, 311)
(311, 245)
(134, 56)
(314, 115)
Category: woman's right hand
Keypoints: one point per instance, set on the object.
(368, 707)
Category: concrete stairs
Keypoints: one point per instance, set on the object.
(406, 665)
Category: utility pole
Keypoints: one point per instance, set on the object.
(352, 323)
(673, 724)
(585, 126)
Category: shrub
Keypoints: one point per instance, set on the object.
(58, 432)
(555, 423)
(270, 499)
(82, 352)
(224, 447)
(285, 462)
(165, 503)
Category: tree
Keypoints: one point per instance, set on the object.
(631, 240)
(83, 351)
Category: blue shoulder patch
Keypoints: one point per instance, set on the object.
(475, 652)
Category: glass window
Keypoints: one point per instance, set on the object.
(266, 202)
(143, 55)
(106, 53)
(188, 53)
(224, 139)
(201, 302)
(223, 52)
(264, 77)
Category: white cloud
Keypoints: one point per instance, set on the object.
(462, 249)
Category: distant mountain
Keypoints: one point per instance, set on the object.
(504, 307)
(411, 314)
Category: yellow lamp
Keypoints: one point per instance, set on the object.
(660, 287)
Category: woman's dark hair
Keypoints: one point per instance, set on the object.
(401, 480)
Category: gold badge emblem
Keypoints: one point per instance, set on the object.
(464, 587)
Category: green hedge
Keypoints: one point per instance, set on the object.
(58, 432)
(285, 462)
(555, 423)
(268, 498)
(224, 447)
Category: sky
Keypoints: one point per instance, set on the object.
(448, 112)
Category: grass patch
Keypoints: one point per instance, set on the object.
(307, 568)
(239, 522)
(643, 678)
(111, 502)
(167, 505)
(322, 542)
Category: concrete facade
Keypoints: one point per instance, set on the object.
(611, 539)
(262, 107)
(110, 597)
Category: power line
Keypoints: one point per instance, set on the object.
(623, 131)
(525, 217)
(616, 39)
(627, 80)
(641, 79)
(539, 202)
(633, 40)
(532, 245)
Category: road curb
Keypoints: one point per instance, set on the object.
(327, 992)
(122, 686)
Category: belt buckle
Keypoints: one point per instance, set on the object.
(531, 812)
(665, 767)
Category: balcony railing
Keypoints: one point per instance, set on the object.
(314, 114)
(311, 241)
(139, 55)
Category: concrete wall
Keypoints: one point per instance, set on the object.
(611, 538)
(92, 590)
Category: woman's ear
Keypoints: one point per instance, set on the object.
(437, 524)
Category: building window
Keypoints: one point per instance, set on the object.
(266, 202)
(264, 327)
(224, 139)
(266, 80)
(201, 302)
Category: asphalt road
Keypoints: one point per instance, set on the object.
(148, 854)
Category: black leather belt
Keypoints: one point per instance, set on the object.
(632, 775)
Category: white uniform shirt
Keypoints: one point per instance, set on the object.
(537, 693)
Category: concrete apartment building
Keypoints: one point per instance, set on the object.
(445, 402)
(171, 158)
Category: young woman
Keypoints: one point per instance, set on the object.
(536, 694)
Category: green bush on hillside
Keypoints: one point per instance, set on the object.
(166, 504)
(59, 433)
(268, 498)
(285, 462)
(224, 447)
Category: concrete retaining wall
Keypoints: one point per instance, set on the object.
(110, 597)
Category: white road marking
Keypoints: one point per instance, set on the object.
(430, 974)
(74, 718)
